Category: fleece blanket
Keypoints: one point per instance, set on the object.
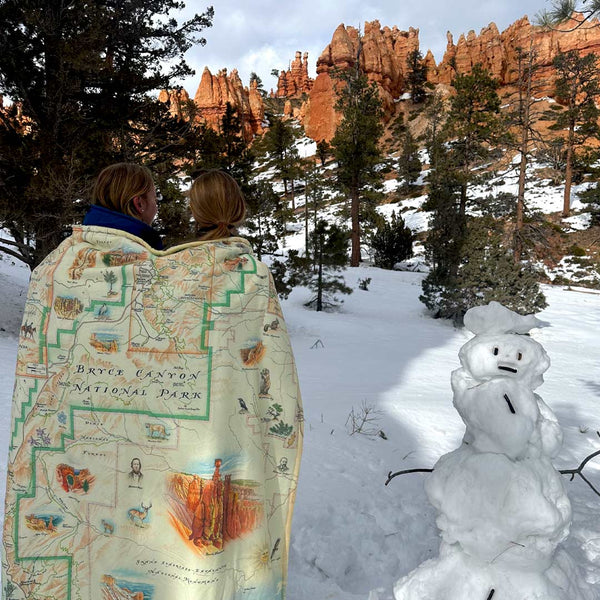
(156, 426)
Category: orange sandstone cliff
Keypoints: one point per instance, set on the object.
(215, 91)
(384, 53)
(497, 51)
(212, 96)
(383, 57)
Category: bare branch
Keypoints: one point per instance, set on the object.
(392, 475)
(579, 469)
(571, 472)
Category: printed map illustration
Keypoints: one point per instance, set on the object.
(156, 427)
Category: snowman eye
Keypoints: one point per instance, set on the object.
(519, 356)
(496, 351)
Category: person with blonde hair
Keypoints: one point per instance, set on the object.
(124, 197)
(217, 205)
(176, 359)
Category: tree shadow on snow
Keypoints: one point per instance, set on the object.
(351, 531)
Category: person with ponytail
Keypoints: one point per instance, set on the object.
(217, 205)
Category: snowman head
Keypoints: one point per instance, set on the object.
(500, 348)
(507, 355)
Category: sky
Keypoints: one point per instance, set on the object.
(261, 35)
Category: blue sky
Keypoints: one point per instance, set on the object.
(260, 35)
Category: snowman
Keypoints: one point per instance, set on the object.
(502, 508)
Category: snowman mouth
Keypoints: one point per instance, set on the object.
(509, 369)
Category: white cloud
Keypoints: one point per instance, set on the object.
(264, 34)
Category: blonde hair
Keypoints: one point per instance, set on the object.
(217, 205)
(118, 184)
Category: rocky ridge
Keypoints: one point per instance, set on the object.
(383, 56)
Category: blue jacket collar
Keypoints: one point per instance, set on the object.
(104, 217)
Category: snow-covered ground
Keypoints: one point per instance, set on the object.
(353, 537)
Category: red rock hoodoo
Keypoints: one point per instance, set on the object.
(497, 51)
(383, 58)
(295, 81)
(212, 96)
(215, 91)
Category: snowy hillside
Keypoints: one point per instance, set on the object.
(351, 533)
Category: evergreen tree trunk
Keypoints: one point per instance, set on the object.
(259, 246)
(568, 173)
(305, 219)
(463, 197)
(355, 213)
(320, 275)
(518, 242)
(524, 110)
(315, 220)
(293, 194)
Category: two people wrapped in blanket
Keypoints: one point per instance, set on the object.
(157, 420)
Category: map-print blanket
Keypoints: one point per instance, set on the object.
(156, 426)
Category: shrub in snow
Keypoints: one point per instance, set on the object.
(591, 197)
(364, 420)
(502, 508)
(391, 243)
(485, 272)
(363, 284)
(264, 227)
(498, 206)
(321, 275)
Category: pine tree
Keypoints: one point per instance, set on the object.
(225, 148)
(84, 76)
(330, 243)
(473, 123)
(482, 269)
(237, 157)
(488, 272)
(416, 77)
(264, 229)
(447, 230)
(562, 10)
(522, 117)
(409, 163)
(392, 242)
(315, 190)
(323, 151)
(279, 141)
(174, 217)
(254, 78)
(356, 145)
(591, 197)
(578, 87)
(435, 113)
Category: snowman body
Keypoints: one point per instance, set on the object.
(502, 507)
